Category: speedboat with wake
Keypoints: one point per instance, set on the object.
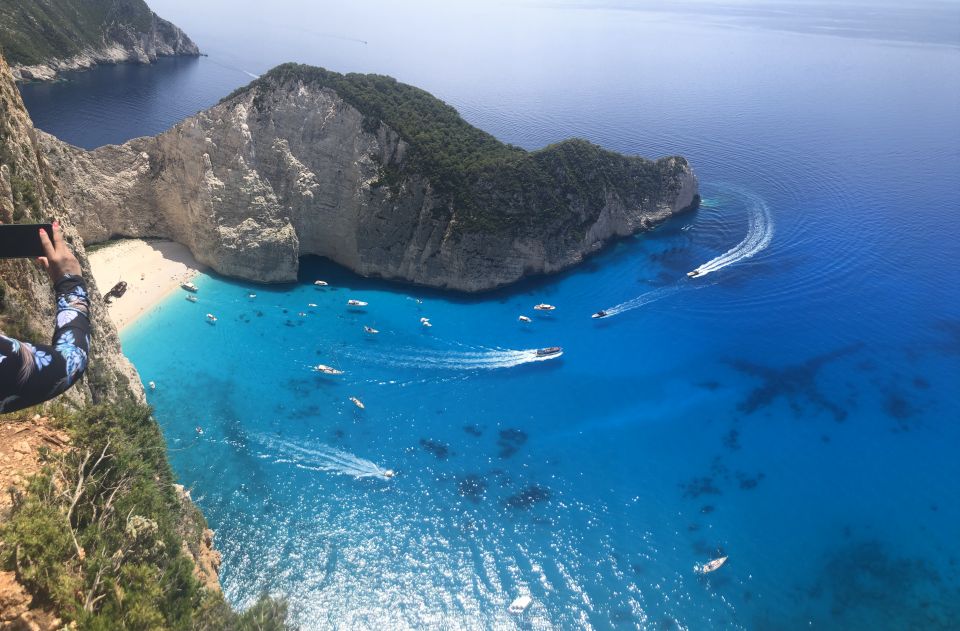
(211, 319)
(356, 303)
(709, 566)
(327, 370)
(370, 330)
(550, 351)
(426, 322)
(599, 314)
(695, 273)
(544, 307)
(524, 319)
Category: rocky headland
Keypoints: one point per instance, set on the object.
(42, 38)
(376, 175)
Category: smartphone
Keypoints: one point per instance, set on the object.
(22, 240)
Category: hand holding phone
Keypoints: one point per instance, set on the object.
(57, 258)
(19, 241)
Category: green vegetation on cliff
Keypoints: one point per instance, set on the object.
(489, 184)
(36, 31)
(99, 535)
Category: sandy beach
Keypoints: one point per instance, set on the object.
(152, 269)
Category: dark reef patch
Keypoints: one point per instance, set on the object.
(510, 441)
(899, 408)
(706, 509)
(528, 497)
(748, 482)
(473, 430)
(795, 383)
(695, 487)
(472, 487)
(439, 450)
(731, 440)
(709, 385)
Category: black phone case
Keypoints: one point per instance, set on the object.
(22, 240)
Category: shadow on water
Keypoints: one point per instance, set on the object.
(795, 383)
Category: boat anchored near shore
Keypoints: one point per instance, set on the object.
(190, 287)
(327, 370)
(356, 303)
(544, 307)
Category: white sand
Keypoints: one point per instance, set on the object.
(152, 269)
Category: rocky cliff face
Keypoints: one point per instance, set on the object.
(290, 168)
(44, 37)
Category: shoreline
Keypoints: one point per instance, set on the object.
(152, 270)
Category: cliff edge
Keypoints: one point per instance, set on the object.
(373, 174)
(43, 37)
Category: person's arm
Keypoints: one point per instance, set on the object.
(32, 374)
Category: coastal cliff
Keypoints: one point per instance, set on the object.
(43, 37)
(373, 174)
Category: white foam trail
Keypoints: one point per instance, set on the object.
(644, 299)
(480, 359)
(759, 235)
(322, 458)
(250, 74)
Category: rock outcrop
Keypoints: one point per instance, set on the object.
(42, 38)
(305, 162)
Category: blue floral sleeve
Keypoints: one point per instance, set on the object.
(32, 374)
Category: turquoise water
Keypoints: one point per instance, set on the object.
(795, 409)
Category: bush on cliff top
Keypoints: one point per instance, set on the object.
(490, 185)
(97, 535)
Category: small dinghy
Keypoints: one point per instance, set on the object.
(544, 307)
(357, 402)
(191, 298)
(152, 385)
(710, 566)
(211, 319)
(356, 303)
(189, 287)
(520, 604)
(549, 351)
(524, 319)
(251, 296)
(425, 322)
(320, 283)
(311, 304)
(370, 330)
(327, 370)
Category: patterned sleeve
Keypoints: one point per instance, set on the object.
(33, 374)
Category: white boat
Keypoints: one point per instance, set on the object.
(191, 298)
(544, 307)
(370, 330)
(311, 304)
(694, 273)
(211, 318)
(152, 385)
(389, 473)
(520, 604)
(549, 351)
(524, 319)
(357, 402)
(599, 314)
(327, 370)
(356, 303)
(425, 322)
(710, 566)
(320, 283)
(251, 295)
(189, 286)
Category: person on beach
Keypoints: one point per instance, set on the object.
(31, 374)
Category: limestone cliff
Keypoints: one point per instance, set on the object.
(373, 174)
(43, 37)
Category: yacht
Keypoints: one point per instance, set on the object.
(599, 314)
(320, 283)
(544, 307)
(357, 402)
(356, 303)
(189, 286)
(549, 351)
(709, 566)
(520, 604)
(370, 330)
(524, 319)
(327, 370)
(191, 298)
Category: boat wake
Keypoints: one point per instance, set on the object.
(759, 235)
(480, 359)
(322, 458)
(644, 299)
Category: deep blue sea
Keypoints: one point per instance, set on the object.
(796, 409)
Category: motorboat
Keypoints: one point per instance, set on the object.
(327, 370)
(599, 314)
(425, 322)
(320, 283)
(211, 318)
(191, 298)
(189, 287)
(520, 604)
(311, 304)
(695, 273)
(710, 566)
(524, 319)
(544, 307)
(356, 303)
(549, 351)
(153, 386)
(357, 402)
(370, 330)
(389, 473)
(251, 296)
(198, 430)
